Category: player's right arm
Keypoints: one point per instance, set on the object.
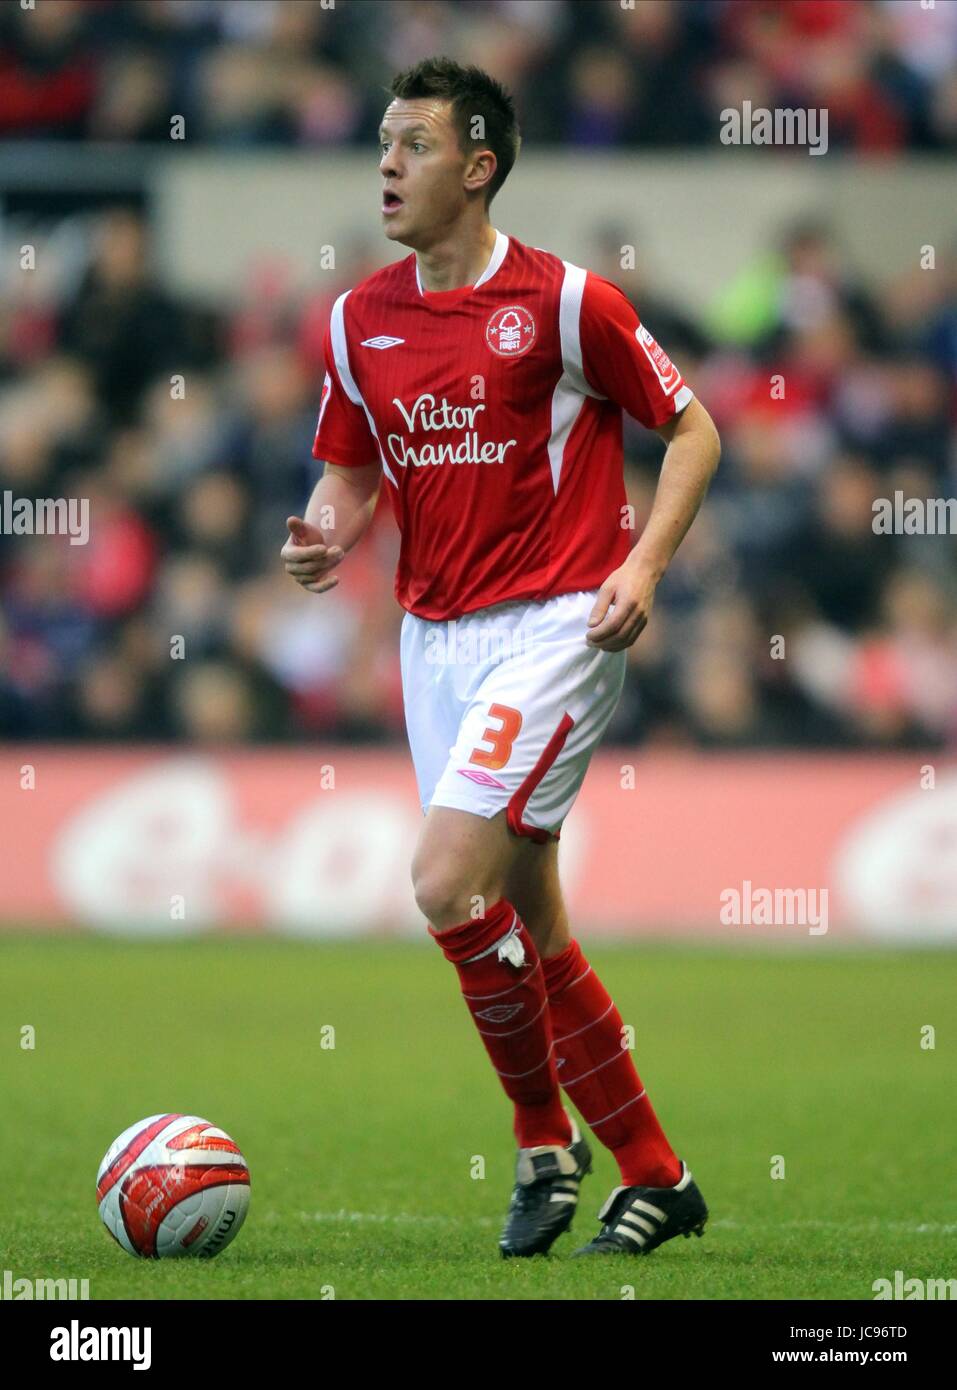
(339, 511)
(343, 501)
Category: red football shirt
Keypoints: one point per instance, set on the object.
(495, 411)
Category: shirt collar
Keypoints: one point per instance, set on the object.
(499, 252)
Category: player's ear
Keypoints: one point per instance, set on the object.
(480, 171)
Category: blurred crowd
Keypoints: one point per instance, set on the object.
(613, 73)
(785, 619)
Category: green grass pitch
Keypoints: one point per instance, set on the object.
(362, 1154)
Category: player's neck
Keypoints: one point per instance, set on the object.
(458, 261)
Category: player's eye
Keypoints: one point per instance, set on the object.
(418, 145)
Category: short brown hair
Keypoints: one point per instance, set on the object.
(472, 93)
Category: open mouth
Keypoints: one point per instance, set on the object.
(391, 202)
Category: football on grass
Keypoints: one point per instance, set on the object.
(173, 1185)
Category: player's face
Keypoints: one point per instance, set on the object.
(423, 171)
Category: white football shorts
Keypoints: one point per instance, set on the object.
(505, 706)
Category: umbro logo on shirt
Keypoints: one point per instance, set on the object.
(382, 341)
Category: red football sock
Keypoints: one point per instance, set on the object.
(501, 978)
(599, 1075)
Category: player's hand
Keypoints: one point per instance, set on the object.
(307, 557)
(622, 609)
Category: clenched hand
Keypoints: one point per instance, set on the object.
(307, 557)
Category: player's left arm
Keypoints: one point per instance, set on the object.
(624, 601)
(622, 362)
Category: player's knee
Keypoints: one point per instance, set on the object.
(445, 899)
(438, 895)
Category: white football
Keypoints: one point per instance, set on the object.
(173, 1185)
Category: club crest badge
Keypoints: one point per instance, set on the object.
(510, 332)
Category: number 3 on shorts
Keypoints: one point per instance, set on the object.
(500, 739)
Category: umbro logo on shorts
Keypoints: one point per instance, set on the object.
(382, 341)
(484, 779)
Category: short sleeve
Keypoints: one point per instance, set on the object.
(621, 359)
(343, 435)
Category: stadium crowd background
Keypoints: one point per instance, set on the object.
(189, 496)
(584, 72)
